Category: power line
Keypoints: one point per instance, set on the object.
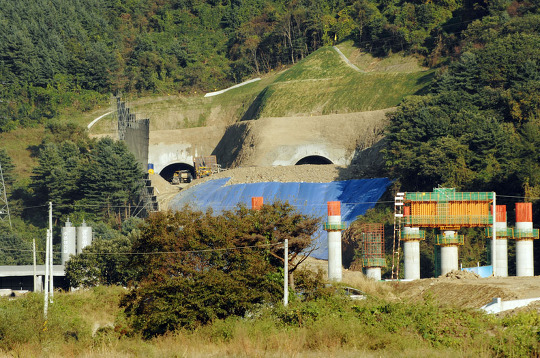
(158, 252)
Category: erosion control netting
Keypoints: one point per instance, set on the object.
(356, 196)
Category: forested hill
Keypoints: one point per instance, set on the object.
(62, 53)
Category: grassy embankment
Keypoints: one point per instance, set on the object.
(323, 84)
(320, 84)
(89, 323)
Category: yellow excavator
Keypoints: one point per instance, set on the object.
(205, 166)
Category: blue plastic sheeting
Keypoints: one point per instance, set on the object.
(356, 196)
(482, 271)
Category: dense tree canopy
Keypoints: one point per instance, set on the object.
(92, 176)
(196, 267)
(7, 167)
(478, 129)
(57, 54)
(106, 261)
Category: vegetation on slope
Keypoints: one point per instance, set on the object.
(78, 53)
(89, 323)
(323, 83)
(478, 127)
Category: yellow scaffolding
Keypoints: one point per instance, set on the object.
(446, 209)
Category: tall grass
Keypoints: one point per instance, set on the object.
(90, 324)
(323, 84)
(319, 84)
(20, 145)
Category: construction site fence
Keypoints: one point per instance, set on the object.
(525, 234)
(374, 262)
(508, 232)
(449, 196)
(449, 220)
(449, 240)
(334, 227)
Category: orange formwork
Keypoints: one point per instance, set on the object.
(523, 212)
(446, 208)
(462, 214)
(406, 211)
(500, 211)
(334, 208)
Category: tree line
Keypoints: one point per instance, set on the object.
(57, 54)
(477, 129)
(96, 180)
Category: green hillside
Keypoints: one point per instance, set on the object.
(323, 83)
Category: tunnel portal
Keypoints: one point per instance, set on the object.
(167, 172)
(314, 159)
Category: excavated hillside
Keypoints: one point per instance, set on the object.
(457, 288)
(165, 191)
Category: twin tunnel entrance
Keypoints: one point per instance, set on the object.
(168, 172)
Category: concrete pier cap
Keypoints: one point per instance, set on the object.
(524, 236)
(449, 254)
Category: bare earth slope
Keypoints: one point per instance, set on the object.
(470, 292)
(299, 173)
(458, 288)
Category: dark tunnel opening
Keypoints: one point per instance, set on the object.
(168, 172)
(314, 159)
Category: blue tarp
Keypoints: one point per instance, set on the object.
(356, 196)
(482, 271)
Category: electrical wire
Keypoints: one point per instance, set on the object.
(134, 206)
(156, 252)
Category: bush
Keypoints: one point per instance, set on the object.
(196, 268)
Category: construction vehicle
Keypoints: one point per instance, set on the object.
(181, 176)
(205, 166)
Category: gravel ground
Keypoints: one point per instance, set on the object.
(298, 173)
(284, 174)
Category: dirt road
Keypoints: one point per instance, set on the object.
(459, 288)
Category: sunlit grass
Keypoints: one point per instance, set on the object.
(89, 323)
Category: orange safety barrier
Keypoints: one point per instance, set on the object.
(257, 202)
(334, 208)
(523, 212)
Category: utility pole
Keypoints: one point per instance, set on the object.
(34, 262)
(46, 295)
(51, 256)
(286, 274)
(4, 207)
(48, 266)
